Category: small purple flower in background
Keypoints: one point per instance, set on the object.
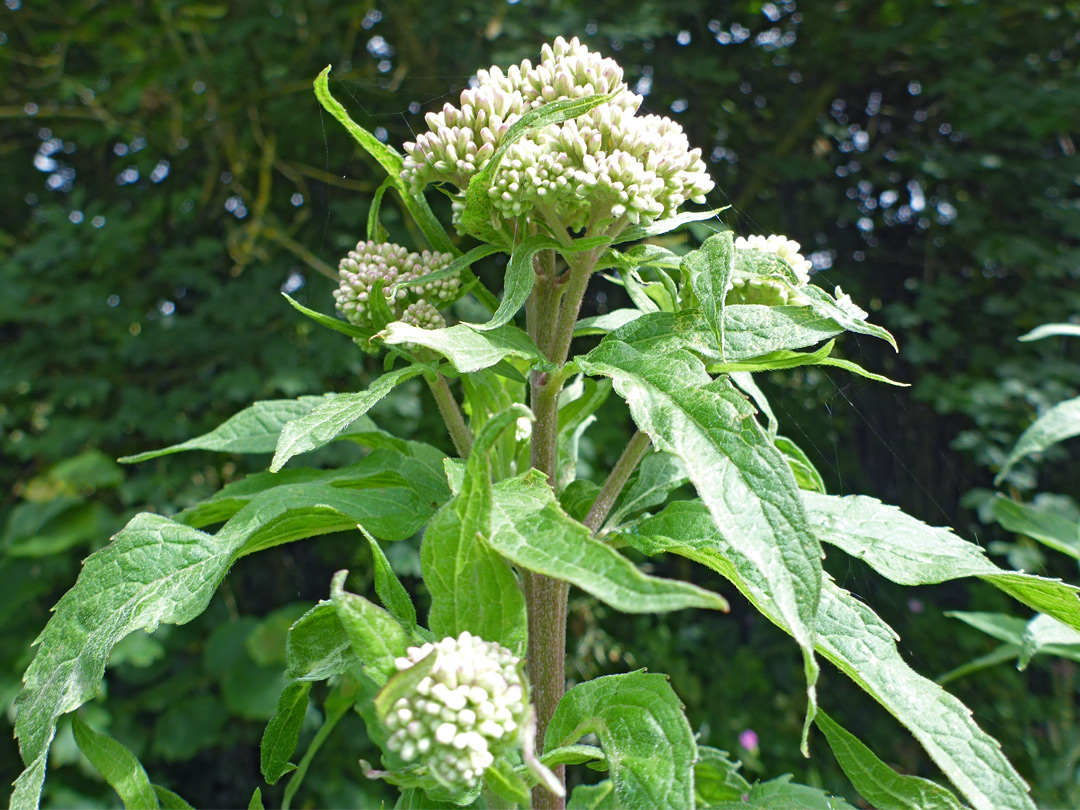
(749, 740)
(915, 605)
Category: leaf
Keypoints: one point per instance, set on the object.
(465, 347)
(375, 635)
(907, 551)
(253, 430)
(594, 797)
(317, 646)
(879, 784)
(999, 655)
(1001, 626)
(717, 778)
(1042, 524)
(339, 702)
(390, 160)
(741, 477)
(473, 588)
(844, 312)
(529, 528)
(1045, 634)
(863, 647)
(577, 404)
(256, 802)
(117, 765)
(658, 476)
(662, 226)
(646, 739)
(330, 322)
(170, 800)
(323, 423)
(608, 322)
(502, 780)
(709, 269)
(477, 214)
(1056, 425)
(1051, 330)
(282, 733)
(806, 474)
(782, 794)
(389, 588)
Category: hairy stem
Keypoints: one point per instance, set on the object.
(631, 456)
(451, 414)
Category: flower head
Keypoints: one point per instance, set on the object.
(606, 165)
(771, 290)
(371, 262)
(465, 712)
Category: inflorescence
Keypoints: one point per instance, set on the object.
(465, 712)
(606, 167)
(770, 290)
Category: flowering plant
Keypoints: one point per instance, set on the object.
(552, 165)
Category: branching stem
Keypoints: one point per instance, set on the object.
(451, 414)
(631, 456)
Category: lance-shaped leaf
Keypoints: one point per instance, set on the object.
(317, 646)
(1045, 634)
(658, 476)
(608, 322)
(879, 784)
(323, 423)
(1040, 523)
(376, 637)
(332, 323)
(907, 551)
(117, 765)
(530, 529)
(467, 348)
(662, 226)
(646, 739)
(709, 269)
(862, 646)
(742, 478)
(253, 430)
(389, 588)
(282, 733)
(473, 588)
(1056, 425)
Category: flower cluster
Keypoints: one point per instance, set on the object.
(465, 712)
(606, 165)
(770, 291)
(392, 264)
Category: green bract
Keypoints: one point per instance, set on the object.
(552, 166)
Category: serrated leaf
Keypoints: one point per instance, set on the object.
(117, 766)
(879, 784)
(646, 738)
(253, 430)
(1052, 330)
(709, 269)
(282, 733)
(1045, 634)
(658, 475)
(529, 528)
(389, 588)
(741, 477)
(1056, 425)
(1039, 523)
(330, 322)
(851, 636)
(317, 646)
(473, 588)
(323, 423)
(717, 778)
(907, 551)
(467, 348)
(375, 635)
(844, 312)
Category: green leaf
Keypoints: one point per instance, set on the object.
(709, 269)
(1052, 330)
(742, 478)
(646, 739)
(529, 528)
(256, 802)
(375, 635)
(117, 765)
(478, 210)
(608, 322)
(465, 347)
(503, 781)
(863, 647)
(662, 226)
(254, 430)
(473, 588)
(389, 588)
(170, 800)
(330, 322)
(578, 401)
(322, 424)
(573, 755)
(1045, 634)
(879, 784)
(594, 797)
(999, 655)
(717, 778)
(806, 474)
(909, 552)
(283, 731)
(1056, 425)
(844, 312)
(390, 160)
(1039, 523)
(1001, 626)
(375, 231)
(318, 646)
(658, 476)
(338, 703)
(782, 794)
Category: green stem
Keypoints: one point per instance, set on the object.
(451, 414)
(631, 456)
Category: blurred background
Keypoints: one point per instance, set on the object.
(166, 172)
